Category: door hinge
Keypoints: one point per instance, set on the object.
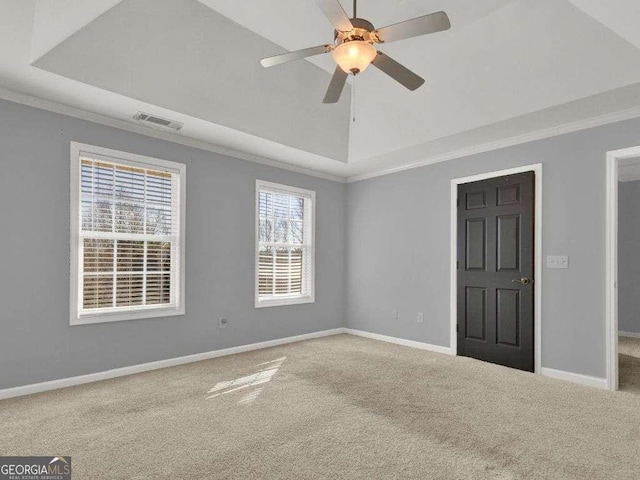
(457, 328)
(457, 202)
(457, 264)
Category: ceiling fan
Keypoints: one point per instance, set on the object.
(353, 48)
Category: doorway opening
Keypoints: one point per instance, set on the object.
(496, 274)
(623, 270)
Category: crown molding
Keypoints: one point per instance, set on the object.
(508, 142)
(570, 127)
(55, 107)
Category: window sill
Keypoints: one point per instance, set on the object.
(88, 319)
(280, 302)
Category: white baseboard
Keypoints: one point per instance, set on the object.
(575, 377)
(145, 367)
(400, 341)
(172, 362)
(629, 334)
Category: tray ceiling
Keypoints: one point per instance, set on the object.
(507, 68)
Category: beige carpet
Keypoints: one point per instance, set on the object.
(336, 407)
(629, 364)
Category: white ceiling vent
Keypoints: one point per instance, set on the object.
(158, 122)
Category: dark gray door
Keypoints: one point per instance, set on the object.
(495, 270)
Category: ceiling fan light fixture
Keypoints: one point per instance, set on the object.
(353, 46)
(354, 56)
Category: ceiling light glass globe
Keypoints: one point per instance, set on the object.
(355, 56)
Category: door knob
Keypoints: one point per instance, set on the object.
(523, 280)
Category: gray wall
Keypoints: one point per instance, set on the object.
(36, 342)
(399, 245)
(393, 237)
(629, 257)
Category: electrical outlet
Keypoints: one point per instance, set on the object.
(223, 322)
(394, 315)
(420, 317)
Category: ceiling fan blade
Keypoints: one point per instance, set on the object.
(435, 22)
(336, 86)
(398, 72)
(297, 55)
(336, 14)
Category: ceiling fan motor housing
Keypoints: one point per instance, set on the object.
(362, 30)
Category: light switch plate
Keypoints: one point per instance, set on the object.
(557, 261)
(420, 317)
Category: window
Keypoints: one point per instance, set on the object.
(284, 245)
(127, 236)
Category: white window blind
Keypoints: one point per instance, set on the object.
(128, 237)
(285, 245)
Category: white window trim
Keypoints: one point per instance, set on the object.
(297, 299)
(76, 150)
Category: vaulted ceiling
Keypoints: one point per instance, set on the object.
(506, 69)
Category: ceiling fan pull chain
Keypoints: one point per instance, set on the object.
(355, 10)
(353, 98)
